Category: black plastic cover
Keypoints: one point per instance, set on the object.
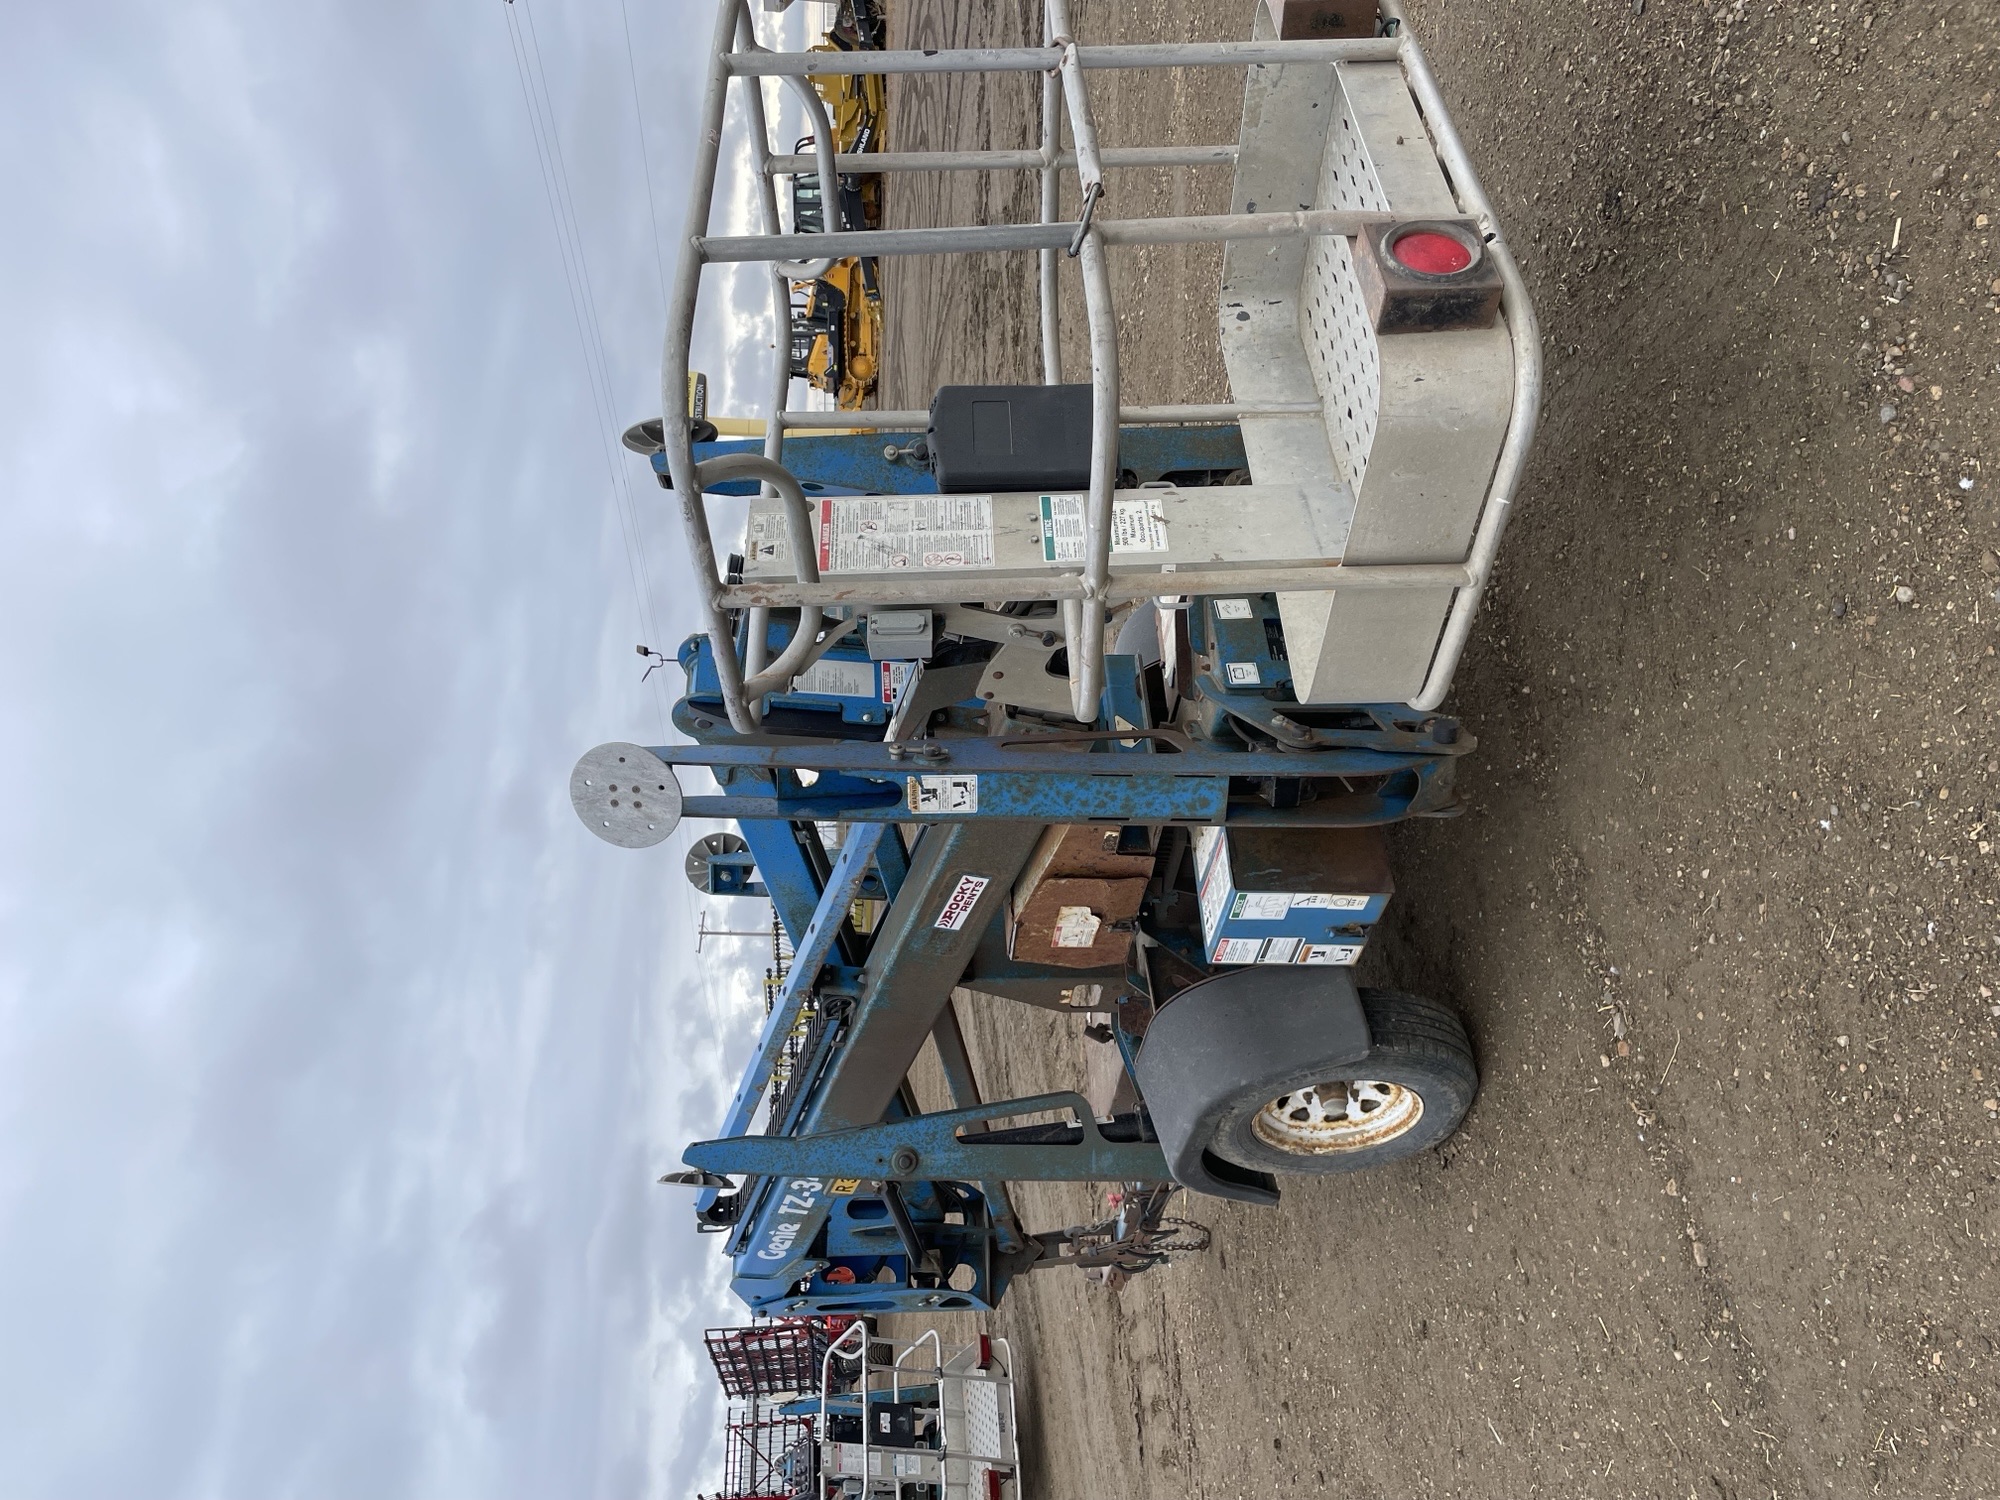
(895, 1423)
(995, 438)
(1234, 1037)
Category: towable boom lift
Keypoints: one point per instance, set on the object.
(1103, 706)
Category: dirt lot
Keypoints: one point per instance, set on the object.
(1722, 914)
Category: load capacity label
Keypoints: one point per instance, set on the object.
(1138, 524)
(892, 533)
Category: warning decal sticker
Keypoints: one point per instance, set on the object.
(1216, 877)
(1076, 927)
(764, 540)
(837, 679)
(1260, 906)
(941, 794)
(894, 675)
(889, 533)
(1330, 953)
(958, 905)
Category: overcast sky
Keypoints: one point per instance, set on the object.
(336, 1059)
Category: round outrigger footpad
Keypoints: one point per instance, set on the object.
(626, 795)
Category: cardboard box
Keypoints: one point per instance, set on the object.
(1290, 895)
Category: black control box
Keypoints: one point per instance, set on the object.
(893, 1424)
(996, 438)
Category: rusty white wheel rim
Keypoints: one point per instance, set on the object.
(1321, 1119)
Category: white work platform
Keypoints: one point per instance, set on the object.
(1382, 465)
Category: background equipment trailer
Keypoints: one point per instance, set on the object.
(825, 1408)
(1116, 745)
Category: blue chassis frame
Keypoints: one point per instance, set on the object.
(879, 1215)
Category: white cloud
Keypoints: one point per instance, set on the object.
(335, 1059)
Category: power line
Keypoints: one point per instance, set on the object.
(594, 338)
(583, 305)
(645, 156)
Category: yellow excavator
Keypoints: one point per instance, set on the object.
(856, 102)
(836, 333)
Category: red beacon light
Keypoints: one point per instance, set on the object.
(1427, 276)
(1432, 253)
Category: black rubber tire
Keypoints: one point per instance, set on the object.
(1416, 1043)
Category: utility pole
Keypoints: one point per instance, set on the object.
(703, 932)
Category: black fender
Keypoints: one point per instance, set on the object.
(1241, 1033)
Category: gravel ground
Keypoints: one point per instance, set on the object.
(1721, 915)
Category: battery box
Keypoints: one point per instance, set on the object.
(991, 439)
(1290, 895)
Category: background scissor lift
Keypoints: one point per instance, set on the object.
(828, 1406)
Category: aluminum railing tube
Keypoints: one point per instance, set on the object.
(1076, 95)
(1040, 59)
(756, 650)
(677, 439)
(804, 547)
(1086, 657)
(1072, 624)
(1189, 229)
(897, 420)
(968, 587)
(1525, 333)
(829, 178)
(1083, 619)
(760, 151)
(1051, 200)
(756, 647)
(785, 164)
(798, 511)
